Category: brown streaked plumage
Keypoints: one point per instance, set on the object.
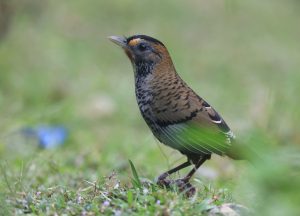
(177, 116)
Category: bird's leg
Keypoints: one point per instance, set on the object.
(162, 178)
(192, 172)
(184, 185)
(181, 166)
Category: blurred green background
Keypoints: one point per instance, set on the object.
(58, 67)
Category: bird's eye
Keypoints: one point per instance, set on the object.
(142, 47)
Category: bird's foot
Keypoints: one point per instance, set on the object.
(162, 176)
(163, 182)
(183, 185)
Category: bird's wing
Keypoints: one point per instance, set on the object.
(192, 125)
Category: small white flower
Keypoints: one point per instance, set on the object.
(116, 186)
(145, 191)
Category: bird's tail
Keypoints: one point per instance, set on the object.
(244, 151)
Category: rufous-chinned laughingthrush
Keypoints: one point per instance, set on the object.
(176, 115)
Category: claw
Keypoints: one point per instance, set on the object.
(183, 185)
(163, 176)
(163, 182)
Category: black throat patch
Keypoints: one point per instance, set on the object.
(143, 68)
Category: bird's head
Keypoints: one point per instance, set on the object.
(142, 49)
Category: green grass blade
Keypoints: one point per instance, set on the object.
(136, 180)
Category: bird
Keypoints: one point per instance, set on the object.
(177, 116)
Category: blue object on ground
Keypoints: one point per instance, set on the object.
(48, 136)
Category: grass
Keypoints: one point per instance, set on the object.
(58, 68)
(72, 194)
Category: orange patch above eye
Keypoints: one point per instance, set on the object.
(134, 42)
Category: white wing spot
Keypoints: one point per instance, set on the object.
(217, 122)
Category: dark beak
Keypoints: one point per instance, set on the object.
(119, 40)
